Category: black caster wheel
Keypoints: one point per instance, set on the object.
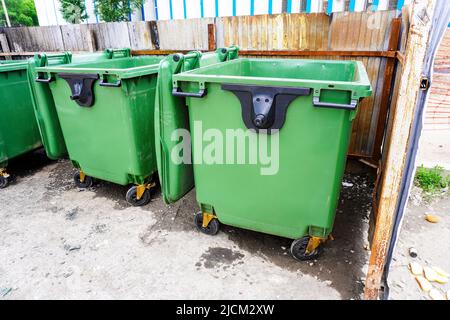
(298, 250)
(133, 200)
(4, 181)
(211, 229)
(87, 183)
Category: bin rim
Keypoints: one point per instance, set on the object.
(121, 73)
(13, 66)
(360, 87)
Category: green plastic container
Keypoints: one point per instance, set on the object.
(19, 132)
(306, 107)
(106, 113)
(177, 179)
(44, 106)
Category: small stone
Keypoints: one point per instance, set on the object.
(399, 284)
(346, 184)
(5, 291)
(413, 252)
(72, 247)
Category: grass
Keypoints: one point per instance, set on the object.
(431, 180)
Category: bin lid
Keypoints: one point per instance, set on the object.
(13, 65)
(171, 115)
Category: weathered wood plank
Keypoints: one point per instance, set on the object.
(4, 45)
(402, 117)
(184, 34)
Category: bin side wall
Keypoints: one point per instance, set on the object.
(312, 151)
(112, 140)
(18, 128)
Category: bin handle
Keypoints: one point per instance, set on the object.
(42, 59)
(351, 106)
(178, 93)
(114, 53)
(116, 84)
(47, 80)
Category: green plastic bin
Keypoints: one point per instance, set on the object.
(300, 113)
(106, 113)
(44, 106)
(19, 132)
(176, 179)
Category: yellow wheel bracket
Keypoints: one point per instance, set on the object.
(3, 173)
(82, 176)
(140, 189)
(313, 244)
(207, 218)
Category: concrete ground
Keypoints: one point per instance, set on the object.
(57, 242)
(434, 149)
(431, 240)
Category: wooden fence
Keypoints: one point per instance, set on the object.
(363, 36)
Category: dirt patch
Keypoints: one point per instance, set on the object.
(61, 179)
(217, 257)
(59, 242)
(346, 254)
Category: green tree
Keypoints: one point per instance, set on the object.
(116, 10)
(21, 13)
(73, 11)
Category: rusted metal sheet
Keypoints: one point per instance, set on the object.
(364, 31)
(324, 53)
(275, 32)
(386, 90)
(211, 37)
(395, 149)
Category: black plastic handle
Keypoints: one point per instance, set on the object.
(178, 93)
(48, 80)
(116, 84)
(351, 106)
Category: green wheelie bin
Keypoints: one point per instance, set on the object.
(171, 115)
(44, 106)
(269, 143)
(106, 113)
(19, 131)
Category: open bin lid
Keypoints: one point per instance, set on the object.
(171, 114)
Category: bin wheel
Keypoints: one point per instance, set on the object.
(87, 183)
(212, 228)
(4, 181)
(133, 200)
(298, 249)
